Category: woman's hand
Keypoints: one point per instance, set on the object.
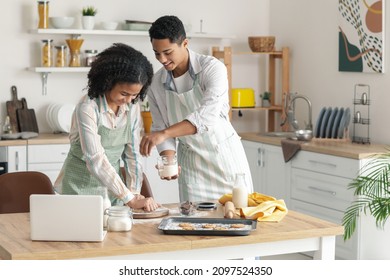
(147, 204)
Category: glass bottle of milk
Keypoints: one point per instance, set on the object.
(240, 192)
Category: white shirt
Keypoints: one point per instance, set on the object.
(212, 77)
(85, 129)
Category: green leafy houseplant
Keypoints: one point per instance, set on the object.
(372, 189)
(89, 11)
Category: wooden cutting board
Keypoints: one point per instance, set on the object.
(12, 106)
(26, 118)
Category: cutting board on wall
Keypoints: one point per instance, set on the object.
(12, 106)
(26, 118)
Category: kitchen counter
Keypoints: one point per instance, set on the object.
(295, 233)
(341, 148)
(42, 139)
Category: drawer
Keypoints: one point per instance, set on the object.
(344, 249)
(324, 190)
(47, 153)
(337, 166)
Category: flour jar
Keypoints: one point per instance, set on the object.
(120, 218)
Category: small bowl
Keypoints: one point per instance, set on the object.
(305, 135)
(109, 25)
(187, 208)
(61, 22)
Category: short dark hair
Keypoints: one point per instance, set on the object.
(168, 27)
(119, 63)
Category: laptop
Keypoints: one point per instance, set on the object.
(66, 217)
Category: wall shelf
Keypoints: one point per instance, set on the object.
(123, 33)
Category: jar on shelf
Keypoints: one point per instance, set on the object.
(90, 56)
(47, 53)
(120, 218)
(61, 57)
(74, 45)
(43, 14)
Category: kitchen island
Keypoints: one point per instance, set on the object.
(295, 233)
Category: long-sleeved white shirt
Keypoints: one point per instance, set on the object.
(84, 128)
(212, 77)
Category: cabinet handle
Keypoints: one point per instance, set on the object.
(64, 153)
(323, 163)
(322, 190)
(17, 161)
(2, 168)
(260, 154)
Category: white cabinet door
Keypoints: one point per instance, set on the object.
(163, 191)
(47, 159)
(17, 158)
(270, 174)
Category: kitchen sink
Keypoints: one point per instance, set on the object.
(283, 134)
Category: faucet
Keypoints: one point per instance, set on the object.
(291, 112)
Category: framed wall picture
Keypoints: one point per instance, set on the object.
(361, 36)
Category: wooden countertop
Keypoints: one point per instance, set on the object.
(145, 237)
(42, 139)
(341, 148)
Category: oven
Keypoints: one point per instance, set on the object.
(3, 161)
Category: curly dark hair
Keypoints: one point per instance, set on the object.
(119, 63)
(168, 27)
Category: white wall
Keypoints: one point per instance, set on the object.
(310, 29)
(20, 49)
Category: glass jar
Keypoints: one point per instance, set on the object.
(47, 53)
(240, 192)
(61, 56)
(120, 218)
(43, 14)
(90, 56)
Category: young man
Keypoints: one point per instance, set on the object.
(189, 102)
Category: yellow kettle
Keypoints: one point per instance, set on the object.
(243, 98)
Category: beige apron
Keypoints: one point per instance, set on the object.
(77, 178)
(209, 161)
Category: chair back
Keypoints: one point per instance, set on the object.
(16, 188)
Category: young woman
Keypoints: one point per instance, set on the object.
(189, 101)
(106, 128)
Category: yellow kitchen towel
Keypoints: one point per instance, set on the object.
(261, 207)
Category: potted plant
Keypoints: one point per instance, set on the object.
(372, 188)
(266, 99)
(88, 19)
(146, 116)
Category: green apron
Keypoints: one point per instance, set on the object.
(77, 178)
(209, 161)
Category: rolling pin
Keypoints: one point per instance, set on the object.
(229, 210)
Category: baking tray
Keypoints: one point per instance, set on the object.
(172, 225)
(141, 214)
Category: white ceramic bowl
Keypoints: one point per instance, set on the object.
(109, 25)
(61, 22)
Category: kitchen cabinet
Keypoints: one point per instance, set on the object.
(47, 158)
(15, 157)
(270, 174)
(284, 57)
(44, 71)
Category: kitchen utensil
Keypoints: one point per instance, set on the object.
(141, 214)
(61, 22)
(12, 106)
(26, 118)
(336, 124)
(197, 226)
(324, 122)
(205, 206)
(303, 134)
(243, 98)
(136, 25)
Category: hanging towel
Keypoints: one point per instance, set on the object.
(289, 148)
(262, 207)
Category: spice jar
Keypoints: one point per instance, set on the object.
(90, 56)
(47, 53)
(120, 218)
(43, 14)
(61, 56)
